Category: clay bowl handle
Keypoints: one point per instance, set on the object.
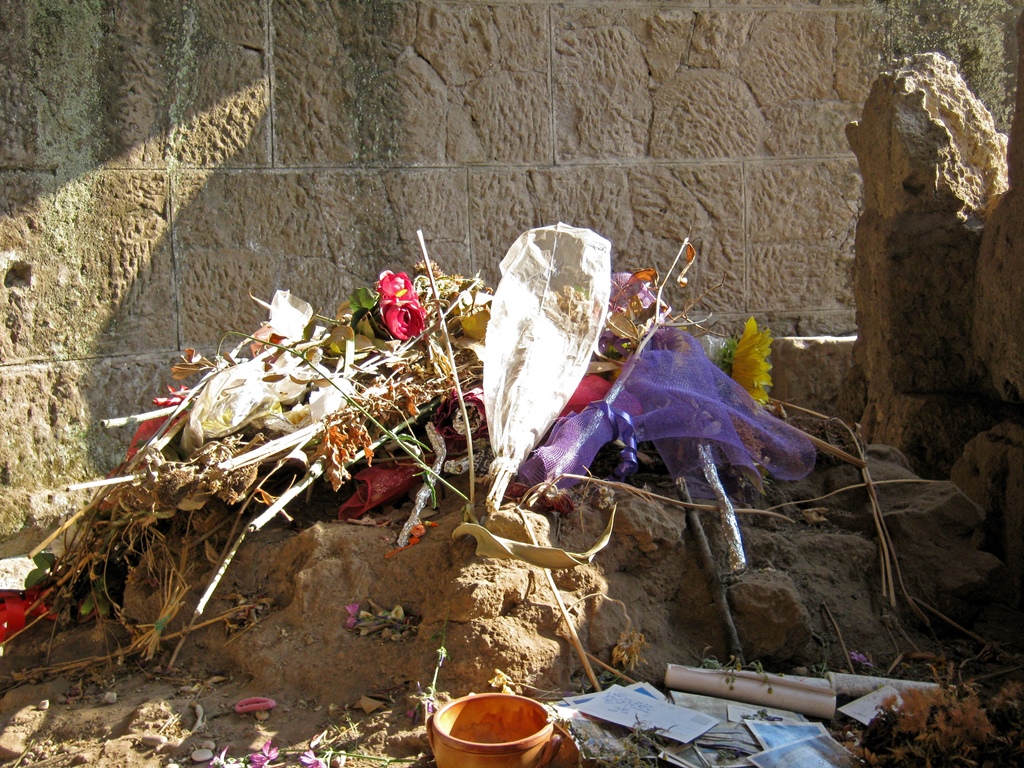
(549, 751)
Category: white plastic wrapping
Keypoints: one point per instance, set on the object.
(229, 401)
(546, 316)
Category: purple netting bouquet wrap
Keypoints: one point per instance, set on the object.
(672, 395)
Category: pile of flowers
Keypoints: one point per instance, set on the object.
(308, 396)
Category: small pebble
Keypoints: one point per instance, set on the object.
(262, 714)
(154, 739)
(202, 755)
(43, 705)
(173, 765)
(109, 697)
(208, 744)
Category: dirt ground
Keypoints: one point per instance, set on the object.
(810, 597)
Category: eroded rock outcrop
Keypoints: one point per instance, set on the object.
(932, 163)
(999, 306)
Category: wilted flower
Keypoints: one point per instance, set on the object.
(310, 760)
(502, 681)
(626, 653)
(860, 660)
(264, 757)
(353, 615)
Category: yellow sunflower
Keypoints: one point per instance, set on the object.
(750, 364)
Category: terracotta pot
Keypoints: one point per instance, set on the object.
(492, 730)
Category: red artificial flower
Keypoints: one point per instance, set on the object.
(403, 321)
(396, 289)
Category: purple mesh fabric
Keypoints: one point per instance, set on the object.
(672, 395)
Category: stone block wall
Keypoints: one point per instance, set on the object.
(160, 161)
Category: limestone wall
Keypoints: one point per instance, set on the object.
(159, 161)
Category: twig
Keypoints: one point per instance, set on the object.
(827, 447)
(890, 563)
(315, 470)
(283, 444)
(823, 445)
(652, 497)
(711, 575)
(575, 638)
(975, 637)
(458, 385)
(997, 673)
(839, 634)
(90, 484)
(611, 669)
(130, 421)
(896, 662)
(853, 487)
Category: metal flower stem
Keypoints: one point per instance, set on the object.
(730, 527)
(423, 495)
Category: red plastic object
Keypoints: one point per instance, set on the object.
(376, 486)
(592, 387)
(255, 704)
(14, 609)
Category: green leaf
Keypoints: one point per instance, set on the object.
(363, 299)
(44, 562)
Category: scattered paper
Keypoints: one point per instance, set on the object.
(739, 712)
(645, 688)
(819, 752)
(634, 709)
(864, 709)
(771, 735)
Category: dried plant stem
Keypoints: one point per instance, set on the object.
(839, 634)
(853, 487)
(458, 385)
(90, 484)
(573, 636)
(257, 523)
(131, 421)
(283, 444)
(820, 444)
(975, 637)
(315, 470)
(839, 453)
(611, 669)
(889, 563)
(714, 579)
(652, 497)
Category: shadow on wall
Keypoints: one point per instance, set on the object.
(139, 207)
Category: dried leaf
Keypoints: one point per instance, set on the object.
(211, 554)
(475, 325)
(814, 516)
(622, 326)
(648, 275)
(369, 705)
(489, 545)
